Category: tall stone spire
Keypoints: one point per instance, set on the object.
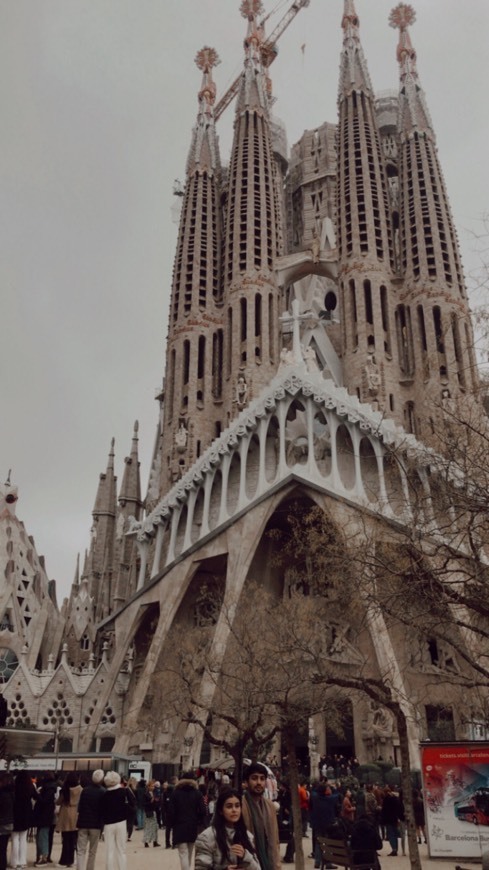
(102, 537)
(253, 234)
(129, 504)
(364, 230)
(433, 325)
(193, 382)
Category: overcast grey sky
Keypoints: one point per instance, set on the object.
(97, 99)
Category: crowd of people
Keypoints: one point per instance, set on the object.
(200, 813)
(79, 811)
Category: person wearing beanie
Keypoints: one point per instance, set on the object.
(114, 810)
(260, 817)
(89, 823)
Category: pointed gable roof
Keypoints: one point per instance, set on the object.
(295, 380)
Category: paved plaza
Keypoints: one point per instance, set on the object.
(139, 858)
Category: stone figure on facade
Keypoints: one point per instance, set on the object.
(287, 358)
(181, 437)
(241, 391)
(315, 246)
(377, 729)
(310, 359)
(373, 377)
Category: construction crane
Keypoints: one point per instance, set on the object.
(268, 53)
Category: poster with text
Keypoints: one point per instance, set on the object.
(456, 795)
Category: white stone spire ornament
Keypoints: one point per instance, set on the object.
(206, 59)
(413, 111)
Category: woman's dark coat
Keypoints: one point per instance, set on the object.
(187, 811)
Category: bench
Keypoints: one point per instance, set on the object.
(338, 852)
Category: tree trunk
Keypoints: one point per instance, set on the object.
(294, 798)
(407, 790)
(237, 754)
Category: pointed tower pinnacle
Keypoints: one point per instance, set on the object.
(255, 89)
(354, 74)
(203, 154)
(413, 111)
(105, 499)
(131, 487)
(102, 531)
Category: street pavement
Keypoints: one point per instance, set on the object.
(160, 858)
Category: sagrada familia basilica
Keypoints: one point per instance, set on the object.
(318, 304)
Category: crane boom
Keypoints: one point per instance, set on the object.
(268, 54)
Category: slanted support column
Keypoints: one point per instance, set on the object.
(223, 508)
(282, 417)
(262, 439)
(160, 535)
(143, 549)
(175, 517)
(311, 459)
(380, 454)
(190, 518)
(388, 663)
(209, 480)
(333, 426)
(355, 440)
(243, 455)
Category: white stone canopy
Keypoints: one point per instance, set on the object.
(301, 425)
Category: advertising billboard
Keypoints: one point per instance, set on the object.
(456, 795)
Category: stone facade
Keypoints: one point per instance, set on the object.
(318, 315)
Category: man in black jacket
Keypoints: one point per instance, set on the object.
(89, 821)
(365, 842)
(186, 817)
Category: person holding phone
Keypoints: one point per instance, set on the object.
(226, 844)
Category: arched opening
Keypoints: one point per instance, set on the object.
(393, 484)
(252, 467)
(197, 517)
(182, 527)
(369, 469)
(322, 443)
(345, 457)
(272, 449)
(215, 500)
(296, 438)
(233, 484)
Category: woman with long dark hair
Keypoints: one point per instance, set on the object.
(226, 844)
(24, 795)
(67, 818)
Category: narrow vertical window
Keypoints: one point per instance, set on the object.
(201, 358)
(457, 347)
(384, 310)
(229, 343)
(217, 360)
(186, 362)
(170, 391)
(244, 319)
(353, 307)
(257, 315)
(271, 330)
